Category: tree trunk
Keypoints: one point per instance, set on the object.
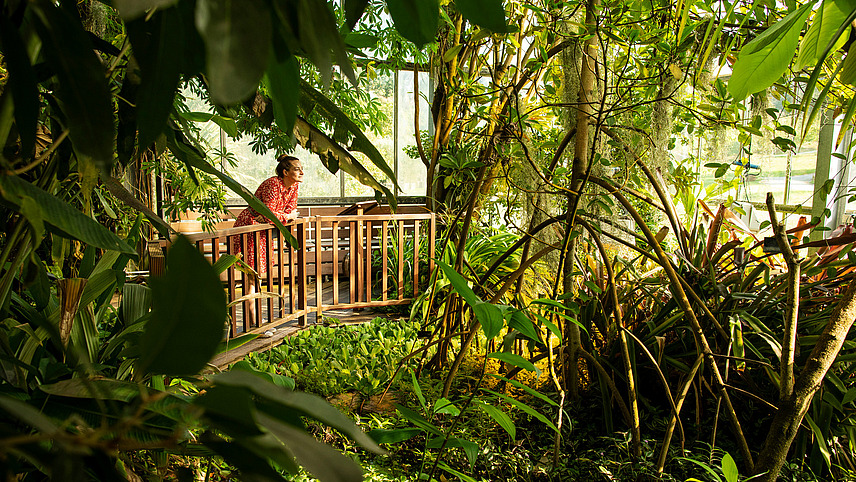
(791, 411)
(585, 108)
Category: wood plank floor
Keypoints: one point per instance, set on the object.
(288, 328)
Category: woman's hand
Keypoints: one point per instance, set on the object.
(291, 215)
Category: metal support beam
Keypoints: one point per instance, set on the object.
(825, 141)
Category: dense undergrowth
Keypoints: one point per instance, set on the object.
(387, 398)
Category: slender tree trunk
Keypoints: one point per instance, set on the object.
(791, 411)
(585, 109)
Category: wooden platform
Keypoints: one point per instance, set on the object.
(286, 329)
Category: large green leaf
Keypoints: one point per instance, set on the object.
(21, 84)
(130, 9)
(243, 454)
(283, 84)
(827, 21)
(237, 37)
(157, 43)
(499, 417)
(335, 157)
(459, 283)
(729, 468)
(489, 14)
(86, 100)
(60, 217)
(848, 67)
(393, 436)
(418, 420)
(319, 37)
(194, 160)
(27, 414)
(490, 317)
(98, 388)
(415, 20)
(334, 115)
(188, 314)
(226, 123)
(514, 359)
(353, 11)
(526, 408)
(321, 460)
(136, 302)
(763, 60)
(522, 323)
(231, 409)
(308, 404)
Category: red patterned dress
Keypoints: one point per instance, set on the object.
(281, 200)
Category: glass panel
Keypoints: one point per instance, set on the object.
(764, 170)
(381, 89)
(411, 172)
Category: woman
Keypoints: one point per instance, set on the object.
(279, 193)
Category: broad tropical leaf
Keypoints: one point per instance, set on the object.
(827, 21)
(130, 9)
(60, 217)
(415, 20)
(335, 157)
(22, 84)
(354, 10)
(324, 462)
(283, 84)
(237, 44)
(100, 389)
(188, 314)
(489, 14)
(86, 99)
(359, 142)
(499, 417)
(308, 404)
(157, 44)
(763, 60)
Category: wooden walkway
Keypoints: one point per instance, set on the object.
(344, 263)
(285, 328)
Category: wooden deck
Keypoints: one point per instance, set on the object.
(374, 258)
(285, 329)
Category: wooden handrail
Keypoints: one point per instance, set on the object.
(328, 241)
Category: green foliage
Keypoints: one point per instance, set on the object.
(329, 360)
(763, 60)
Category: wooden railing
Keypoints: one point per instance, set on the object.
(333, 247)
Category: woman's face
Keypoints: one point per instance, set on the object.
(294, 173)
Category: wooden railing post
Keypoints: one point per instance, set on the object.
(415, 257)
(292, 265)
(384, 240)
(230, 281)
(319, 302)
(432, 241)
(352, 260)
(257, 313)
(335, 236)
(368, 283)
(301, 273)
(401, 260)
(269, 266)
(280, 245)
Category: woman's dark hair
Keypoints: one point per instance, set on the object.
(284, 163)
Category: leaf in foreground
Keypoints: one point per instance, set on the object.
(188, 314)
